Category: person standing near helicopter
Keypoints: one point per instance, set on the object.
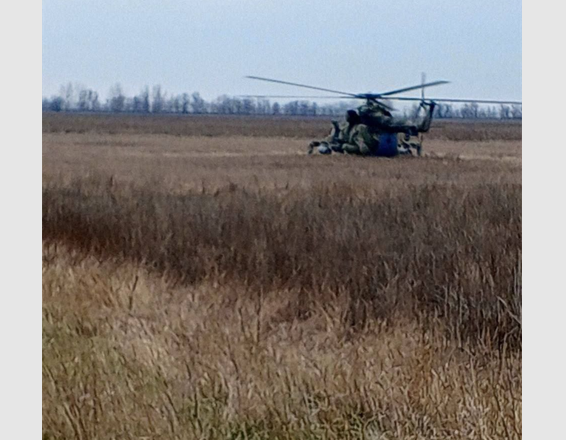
(350, 137)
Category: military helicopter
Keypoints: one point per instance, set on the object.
(371, 129)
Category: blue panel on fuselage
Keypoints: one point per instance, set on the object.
(387, 145)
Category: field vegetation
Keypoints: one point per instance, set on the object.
(257, 126)
(204, 278)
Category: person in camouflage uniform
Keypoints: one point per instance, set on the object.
(350, 137)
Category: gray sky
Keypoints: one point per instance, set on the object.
(209, 45)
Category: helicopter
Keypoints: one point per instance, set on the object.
(372, 129)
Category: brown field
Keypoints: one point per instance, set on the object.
(203, 278)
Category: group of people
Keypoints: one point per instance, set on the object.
(350, 137)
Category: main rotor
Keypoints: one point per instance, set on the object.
(375, 98)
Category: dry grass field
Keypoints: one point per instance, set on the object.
(204, 279)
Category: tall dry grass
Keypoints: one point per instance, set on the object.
(453, 252)
(215, 289)
(128, 354)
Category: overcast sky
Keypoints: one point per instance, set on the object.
(210, 45)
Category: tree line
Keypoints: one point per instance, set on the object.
(76, 98)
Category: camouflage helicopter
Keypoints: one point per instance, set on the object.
(371, 129)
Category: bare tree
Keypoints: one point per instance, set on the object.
(157, 101)
(67, 94)
(504, 112)
(117, 98)
(88, 100)
(83, 100)
(56, 104)
(198, 104)
(248, 106)
(185, 103)
(443, 111)
(276, 109)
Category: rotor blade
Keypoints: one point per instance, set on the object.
(420, 86)
(296, 97)
(364, 97)
(299, 85)
(380, 103)
(479, 101)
